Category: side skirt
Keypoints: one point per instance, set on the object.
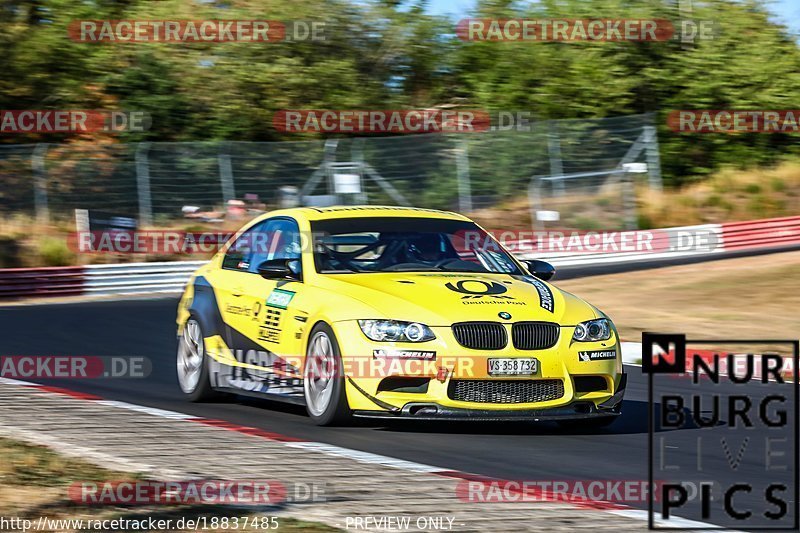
(285, 398)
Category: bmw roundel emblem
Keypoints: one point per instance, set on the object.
(504, 315)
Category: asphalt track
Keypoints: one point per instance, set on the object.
(515, 451)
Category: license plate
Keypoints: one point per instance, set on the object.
(513, 367)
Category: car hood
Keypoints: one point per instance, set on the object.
(440, 299)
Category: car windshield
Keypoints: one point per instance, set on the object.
(398, 244)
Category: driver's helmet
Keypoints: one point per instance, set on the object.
(427, 247)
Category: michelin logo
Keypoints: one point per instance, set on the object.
(597, 355)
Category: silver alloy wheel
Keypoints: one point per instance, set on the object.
(190, 357)
(320, 373)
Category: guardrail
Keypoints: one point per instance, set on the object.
(170, 277)
(132, 278)
(48, 281)
(126, 278)
(761, 233)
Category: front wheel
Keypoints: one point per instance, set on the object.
(323, 379)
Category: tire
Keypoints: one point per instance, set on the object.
(588, 423)
(323, 380)
(192, 364)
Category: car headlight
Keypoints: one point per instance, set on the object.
(396, 331)
(593, 330)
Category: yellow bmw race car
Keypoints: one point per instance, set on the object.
(393, 313)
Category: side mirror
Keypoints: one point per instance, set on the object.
(279, 269)
(541, 269)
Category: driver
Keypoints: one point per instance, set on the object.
(427, 248)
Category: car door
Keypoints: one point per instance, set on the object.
(236, 311)
(269, 325)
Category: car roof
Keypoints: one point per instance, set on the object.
(361, 211)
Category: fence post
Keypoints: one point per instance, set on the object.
(40, 183)
(143, 185)
(321, 172)
(462, 175)
(535, 202)
(653, 159)
(226, 174)
(554, 153)
(631, 220)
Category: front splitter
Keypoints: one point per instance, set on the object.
(427, 411)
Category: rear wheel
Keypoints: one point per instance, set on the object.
(193, 364)
(323, 379)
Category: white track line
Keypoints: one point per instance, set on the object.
(366, 457)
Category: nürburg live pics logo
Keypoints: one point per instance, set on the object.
(723, 433)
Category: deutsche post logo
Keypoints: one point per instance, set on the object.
(475, 288)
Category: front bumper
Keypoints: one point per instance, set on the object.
(368, 396)
(577, 410)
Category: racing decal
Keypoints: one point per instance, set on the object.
(597, 355)
(279, 298)
(237, 310)
(274, 374)
(478, 291)
(277, 376)
(266, 372)
(269, 334)
(376, 401)
(273, 318)
(545, 294)
(205, 307)
(271, 330)
(478, 288)
(424, 355)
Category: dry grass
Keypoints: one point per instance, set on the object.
(726, 196)
(755, 297)
(34, 482)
